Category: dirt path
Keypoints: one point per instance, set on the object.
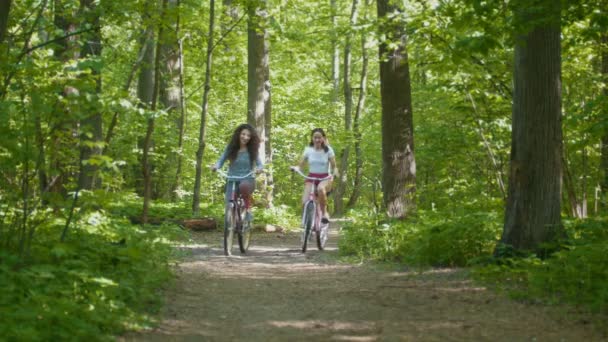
(275, 293)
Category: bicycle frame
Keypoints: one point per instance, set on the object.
(317, 226)
(233, 221)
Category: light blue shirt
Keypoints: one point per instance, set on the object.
(241, 165)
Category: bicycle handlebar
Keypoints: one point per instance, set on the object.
(225, 175)
(298, 171)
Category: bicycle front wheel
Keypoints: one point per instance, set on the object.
(244, 236)
(322, 235)
(307, 221)
(229, 228)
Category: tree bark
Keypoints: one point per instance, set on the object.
(532, 214)
(147, 169)
(399, 165)
(356, 126)
(340, 189)
(91, 135)
(170, 92)
(5, 8)
(202, 130)
(335, 56)
(182, 122)
(258, 80)
(604, 139)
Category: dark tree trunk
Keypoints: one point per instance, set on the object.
(5, 8)
(61, 139)
(146, 165)
(348, 121)
(356, 128)
(202, 130)
(604, 140)
(532, 214)
(399, 165)
(258, 82)
(91, 134)
(170, 92)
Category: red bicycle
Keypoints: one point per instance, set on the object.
(312, 214)
(234, 220)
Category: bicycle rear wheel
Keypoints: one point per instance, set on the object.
(230, 222)
(307, 221)
(244, 236)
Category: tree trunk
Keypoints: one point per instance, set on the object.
(61, 137)
(269, 180)
(356, 128)
(5, 8)
(335, 56)
(399, 165)
(340, 189)
(604, 140)
(532, 214)
(145, 81)
(91, 135)
(147, 169)
(170, 92)
(182, 122)
(570, 191)
(202, 130)
(258, 82)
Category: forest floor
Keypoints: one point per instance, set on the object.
(276, 293)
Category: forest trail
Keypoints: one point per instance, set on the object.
(276, 293)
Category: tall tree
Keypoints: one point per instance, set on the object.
(603, 43)
(340, 189)
(146, 165)
(357, 122)
(203, 122)
(532, 214)
(91, 135)
(258, 78)
(399, 165)
(5, 8)
(170, 90)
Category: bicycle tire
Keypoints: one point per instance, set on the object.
(322, 235)
(229, 228)
(309, 217)
(244, 236)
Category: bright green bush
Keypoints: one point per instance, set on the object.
(431, 239)
(578, 273)
(103, 279)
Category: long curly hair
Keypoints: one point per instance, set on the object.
(325, 143)
(253, 145)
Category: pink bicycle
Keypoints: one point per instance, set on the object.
(312, 214)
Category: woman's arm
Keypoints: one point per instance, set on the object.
(220, 162)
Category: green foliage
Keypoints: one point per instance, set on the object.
(577, 274)
(105, 278)
(431, 239)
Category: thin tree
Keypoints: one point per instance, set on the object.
(348, 117)
(603, 43)
(399, 165)
(357, 181)
(532, 214)
(146, 167)
(203, 122)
